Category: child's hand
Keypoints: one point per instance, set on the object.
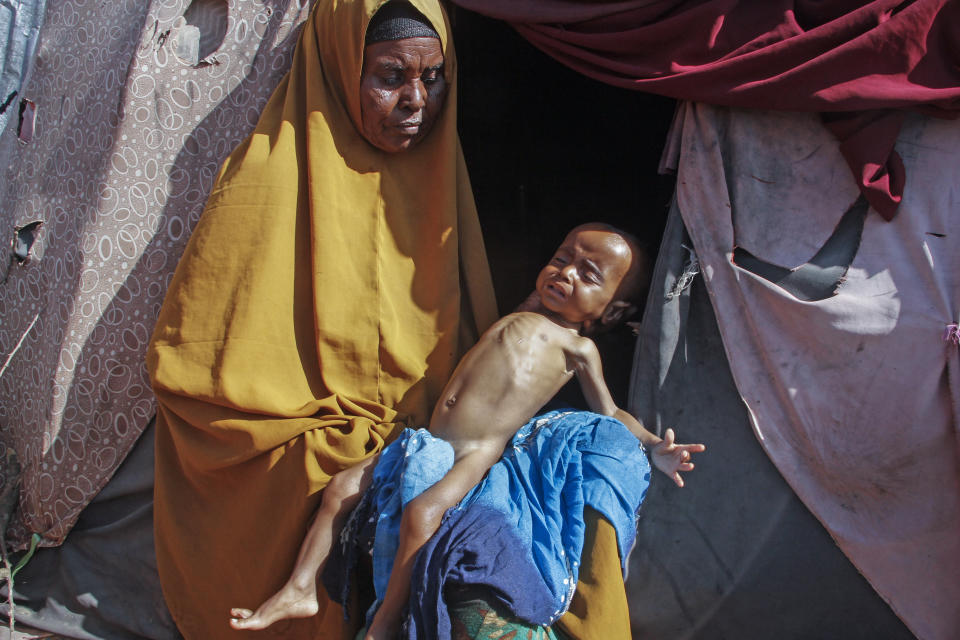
(672, 458)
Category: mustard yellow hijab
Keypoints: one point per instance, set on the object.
(323, 301)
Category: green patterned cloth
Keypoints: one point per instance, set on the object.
(476, 619)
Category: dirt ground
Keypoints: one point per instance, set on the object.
(27, 633)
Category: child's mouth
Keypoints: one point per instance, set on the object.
(556, 290)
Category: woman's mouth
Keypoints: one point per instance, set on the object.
(410, 127)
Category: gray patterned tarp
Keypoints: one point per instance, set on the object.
(138, 103)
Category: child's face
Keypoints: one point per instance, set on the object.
(583, 276)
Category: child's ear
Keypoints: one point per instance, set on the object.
(616, 312)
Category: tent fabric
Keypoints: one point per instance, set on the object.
(734, 554)
(20, 23)
(101, 583)
(854, 395)
(323, 301)
(129, 137)
(801, 55)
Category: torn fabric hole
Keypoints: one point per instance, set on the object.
(820, 278)
(690, 270)
(28, 121)
(201, 30)
(23, 239)
(952, 333)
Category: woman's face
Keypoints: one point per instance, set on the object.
(401, 91)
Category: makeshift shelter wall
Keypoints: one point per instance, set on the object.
(735, 553)
(852, 393)
(138, 104)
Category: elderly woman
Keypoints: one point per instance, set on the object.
(334, 279)
(329, 289)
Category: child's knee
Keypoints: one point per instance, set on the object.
(339, 491)
(421, 517)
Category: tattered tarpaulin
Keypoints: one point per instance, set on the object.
(853, 391)
(138, 104)
(735, 553)
(804, 55)
(20, 26)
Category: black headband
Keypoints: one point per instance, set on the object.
(398, 20)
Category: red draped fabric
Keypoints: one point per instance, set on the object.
(859, 63)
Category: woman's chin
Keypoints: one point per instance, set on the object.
(396, 142)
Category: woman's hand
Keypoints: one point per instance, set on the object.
(672, 458)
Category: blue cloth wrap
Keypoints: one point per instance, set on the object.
(519, 533)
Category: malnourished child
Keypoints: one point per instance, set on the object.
(515, 368)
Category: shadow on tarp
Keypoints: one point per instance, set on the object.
(734, 554)
(102, 582)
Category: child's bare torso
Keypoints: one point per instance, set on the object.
(515, 368)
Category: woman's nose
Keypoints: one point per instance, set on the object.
(414, 96)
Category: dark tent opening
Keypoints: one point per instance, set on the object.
(548, 149)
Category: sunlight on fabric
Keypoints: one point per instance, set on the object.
(16, 348)
(753, 419)
(928, 255)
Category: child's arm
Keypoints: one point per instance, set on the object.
(668, 456)
(421, 519)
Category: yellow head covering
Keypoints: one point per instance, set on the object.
(325, 296)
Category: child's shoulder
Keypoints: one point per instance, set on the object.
(565, 337)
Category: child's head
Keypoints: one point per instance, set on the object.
(595, 278)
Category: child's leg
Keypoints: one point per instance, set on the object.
(298, 597)
(420, 520)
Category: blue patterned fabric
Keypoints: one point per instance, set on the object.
(409, 466)
(519, 533)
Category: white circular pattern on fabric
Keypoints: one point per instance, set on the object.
(127, 143)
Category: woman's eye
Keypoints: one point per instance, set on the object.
(431, 76)
(392, 80)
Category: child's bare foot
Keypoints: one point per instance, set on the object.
(289, 602)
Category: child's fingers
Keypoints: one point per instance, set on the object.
(677, 479)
